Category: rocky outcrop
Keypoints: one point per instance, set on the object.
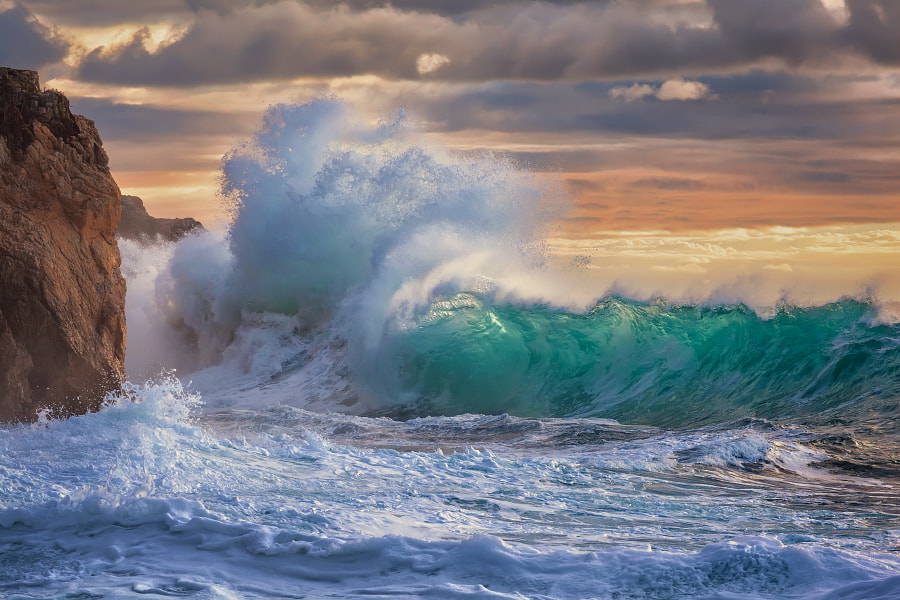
(62, 296)
(137, 224)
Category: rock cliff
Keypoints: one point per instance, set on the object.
(62, 296)
(137, 224)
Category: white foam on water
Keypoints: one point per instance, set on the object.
(151, 496)
(353, 230)
(345, 233)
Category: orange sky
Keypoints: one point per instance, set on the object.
(666, 115)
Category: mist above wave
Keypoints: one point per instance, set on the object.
(366, 270)
(331, 219)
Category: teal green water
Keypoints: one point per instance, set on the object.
(647, 363)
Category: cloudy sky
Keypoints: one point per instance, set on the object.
(663, 115)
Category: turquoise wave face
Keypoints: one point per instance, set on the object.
(647, 363)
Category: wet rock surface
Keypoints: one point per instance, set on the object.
(137, 224)
(62, 296)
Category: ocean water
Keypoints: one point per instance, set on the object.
(380, 383)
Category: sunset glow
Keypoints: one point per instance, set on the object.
(730, 121)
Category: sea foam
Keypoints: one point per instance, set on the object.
(367, 271)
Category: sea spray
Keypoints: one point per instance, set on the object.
(142, 499)
(325, 206)
(250, 496)
(349, 230)
(365, 271)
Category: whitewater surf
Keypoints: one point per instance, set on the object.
(386, 386)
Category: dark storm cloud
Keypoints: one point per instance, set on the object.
(845, 175)
(802, 31)
(498, 40)
(755, 83)
(774, 129)
(456, 9)
(440, 7)
(754, 105)
(448, 8)
(507, 41)
(720, 120)
(670, 183)
(105, 12)
(276, 41)
(111, 12)
(141, 122)
(758, 82)
(874, 29)
(25, 43)
(795, 31)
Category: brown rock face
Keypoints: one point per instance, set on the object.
(62, 297)
(137, 224)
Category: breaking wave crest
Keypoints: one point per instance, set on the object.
(641, 362)
(369, 272)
